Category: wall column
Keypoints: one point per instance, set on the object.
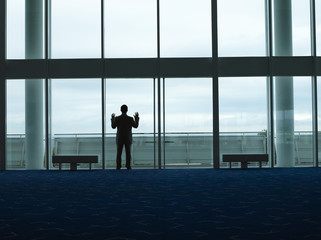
(284, 105)
(34, 87)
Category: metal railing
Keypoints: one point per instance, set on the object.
(181, 149)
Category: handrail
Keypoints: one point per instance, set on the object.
(21, 135)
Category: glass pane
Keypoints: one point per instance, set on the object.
(137, 94)
(76, 120)
(291, 26)
(25, 125)
(241, 28)
(301, 28)
(16, 29)
(243, 117)
(131, 28)
(293, 121)
(318, 26)
(188, 122)
(76, 29)
(185, 28)
(25, 29)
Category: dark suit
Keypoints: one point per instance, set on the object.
(124, 125)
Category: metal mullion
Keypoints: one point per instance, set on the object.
(159, 123)
(103, 92)
(215, 87)
(164, 165)
(270, 86)
(2, 85)
(315, 120)
(159, 88)
(313, 28)
(314, 84)
(47, 136)
(154, 120)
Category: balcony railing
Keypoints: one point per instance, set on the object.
(178, 149)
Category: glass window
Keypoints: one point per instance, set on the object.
(297, 17)
(75, 29)
(137, 94)
(318, 26)
(20, 21)
(241, 28)
(243, 116)
(131, 28)
(76, 119)
(16, 29)
(185, 28)
(301, 28)
(188, 122)
(25, 124)
(293, 121)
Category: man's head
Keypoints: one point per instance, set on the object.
(124, 108)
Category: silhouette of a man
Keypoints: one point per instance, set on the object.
(124, 124)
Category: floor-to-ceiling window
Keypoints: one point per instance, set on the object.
(243, 116)
(25, 138)
(179, 112)
(76, 118)
(138, 95)
(293, 121)
(188, 122)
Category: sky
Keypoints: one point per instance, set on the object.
(131, 31)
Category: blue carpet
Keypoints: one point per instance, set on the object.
(161, 204)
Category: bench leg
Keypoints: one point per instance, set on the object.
(73, 166)
(90, 166)
(260, 164)
(59, 166)
(244, 164)
(230, 164)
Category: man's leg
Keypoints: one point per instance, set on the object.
(128, 155)
(119, 152)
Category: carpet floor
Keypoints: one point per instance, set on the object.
(211, 204)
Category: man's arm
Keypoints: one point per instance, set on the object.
(113, 122)
(136, 120)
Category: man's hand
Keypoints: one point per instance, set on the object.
(113, 115)
(136, 115)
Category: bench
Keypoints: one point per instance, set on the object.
(245, 158)
(74, 160)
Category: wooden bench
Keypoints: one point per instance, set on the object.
(74, 160)
(245, 158)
